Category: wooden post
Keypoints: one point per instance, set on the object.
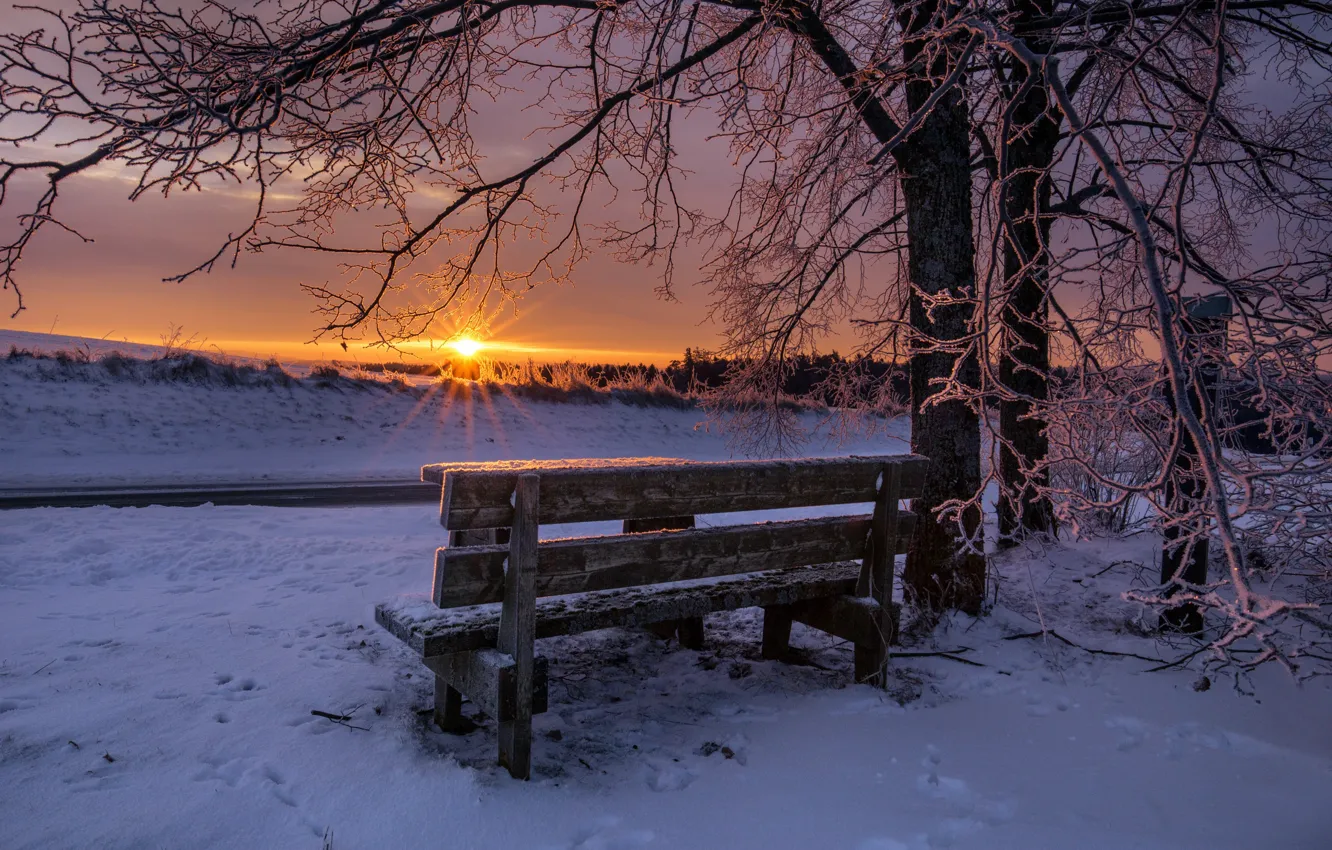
(876, 577)
(776, 631)
(688, 631)
(448, 707)
(448, 700)
(517, 632)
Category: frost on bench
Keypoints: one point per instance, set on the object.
(434, 472)
(476, 495)
(437, 631)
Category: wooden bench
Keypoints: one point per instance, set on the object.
(497, 589)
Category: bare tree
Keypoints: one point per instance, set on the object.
(1018, 197)
(847, 124)
(1026, 139)
(1172, 178)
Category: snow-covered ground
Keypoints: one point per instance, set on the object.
(78, 425)
(159, 666)
(51, 343)
(94, 347)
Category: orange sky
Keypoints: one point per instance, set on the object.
(113, 288)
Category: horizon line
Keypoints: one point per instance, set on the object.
(433, 349)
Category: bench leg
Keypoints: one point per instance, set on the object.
(871, 664)
(515, 745)
(448, 707)
(517, 632)
(664, 630)
(876, 581)
(776, 632)
(691, 632)
(872, 657)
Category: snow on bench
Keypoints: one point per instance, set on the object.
(497, 589)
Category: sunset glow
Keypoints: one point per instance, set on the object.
(466, 346)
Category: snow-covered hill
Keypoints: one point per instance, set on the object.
(159, 667)
(78, 424)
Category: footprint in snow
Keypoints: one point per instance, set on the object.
(232, 689)
(1132, 732)
(246, 771)
(971, 811)
(607, 834)
(169, 694)
(1192, 737)
(669, 776)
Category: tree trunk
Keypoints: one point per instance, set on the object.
(936, 188)
(1024, 358)
(936, 185)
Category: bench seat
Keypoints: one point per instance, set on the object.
(434, 631)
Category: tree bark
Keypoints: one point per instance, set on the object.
(934, 161)
(1024, 357)
(936, 187)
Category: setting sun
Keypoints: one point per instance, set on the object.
(466, 347)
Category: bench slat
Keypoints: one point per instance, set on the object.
(474, 575)
(431, 631)
(477, 495)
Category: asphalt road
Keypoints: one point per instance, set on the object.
(290, 494)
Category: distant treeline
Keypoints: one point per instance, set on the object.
(807, 376)
(699, 370)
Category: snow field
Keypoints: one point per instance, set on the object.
(159, 666)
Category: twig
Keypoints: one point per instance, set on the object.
(340, 719)
(1229, 651)
(1036, 598)
(1100, 573)
(1057, 636)
(1179, 662)
(43, 667)
(949, 655)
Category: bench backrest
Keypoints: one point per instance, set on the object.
(481, 496)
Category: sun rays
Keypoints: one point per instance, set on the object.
(467, 346)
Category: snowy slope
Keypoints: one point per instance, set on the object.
(51, 343)
(94, 347)
(158, 668)
(97, 430)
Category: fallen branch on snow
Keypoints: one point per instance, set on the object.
(950, 654)
(1057, 636)
(340, 719)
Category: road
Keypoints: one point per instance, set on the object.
(287, 494)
